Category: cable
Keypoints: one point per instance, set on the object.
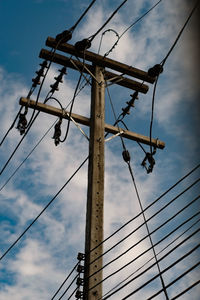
(37, 144)
(175, 280)
(152, 246)
(108, 20)
(162, 65)
(11, 127)
(81, 17)
(64, 281)
(186, 290)
(69, 287)
(164, 256)
(134, 23)
(151, 204)
(169, 244)
(48, 204)
(156, 229)
(166, 269)
(180, 33)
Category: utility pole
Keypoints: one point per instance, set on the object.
(95, 194)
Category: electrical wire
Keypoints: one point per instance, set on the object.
(108, 20)
(64, 281)
(160, 259)
(186, 290)
(156, 229)
(37, 144)
(133, 24)
(127, 160)
(48, 204)
(175, 280)
(169, 244)
(69, 288)
(81, 17)
(152, 246)
(162, 64)
(166, 269)
(150, 205)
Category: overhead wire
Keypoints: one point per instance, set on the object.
(38, 216)
(126, 157)
(63, 283)
(37, 144)
(150, 205)
(186, 290)
(159, 260)
(108, 20)
(142, 239)
(163, 249)
(32, 119)
(133, 24)
(176, 279)
(162, 63)
(63, 294)
(166, 269)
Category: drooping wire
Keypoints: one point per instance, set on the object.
(142, 239)
(69, 288)
(107, 21)
(186, 290)
(166, 269)
(150, 205)
(162, 63)
(159, 260)
(65, 281)
(144, 252)
(126, 157)
(133, 24)
(176, 279)
(169, 244)
(43, 210)
(37, 144)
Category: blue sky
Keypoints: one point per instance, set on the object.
(35, 268)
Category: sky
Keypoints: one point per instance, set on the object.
(40, 261)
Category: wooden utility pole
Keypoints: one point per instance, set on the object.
(95, 194)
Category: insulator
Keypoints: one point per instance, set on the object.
(126, 156)
(134, 96)
(54, 87)
(63, 71)
(79, 295)
(80, 269)
(44, 64)
(57, 132)
(83, 45)
(59, 78)
(79, 281)
(126, 110)
(64, 36)
(80, 256)
(155, 71)
(40, 72)
(21, 126)
(36, 81)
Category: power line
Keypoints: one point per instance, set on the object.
(166, 269)
(64, 281)
(133, 24)
(169, 244)
(48, 204)
(175, 280)
(186, 290)
(69, 288)
(150, 205)
(37, 144)
(137, 243)
(161, 68)
(160, 259)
